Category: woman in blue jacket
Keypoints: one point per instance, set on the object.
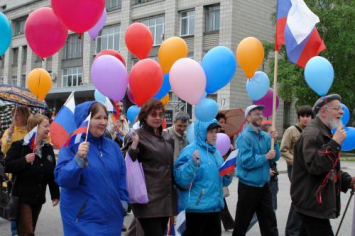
(196, 171)
(92, 175)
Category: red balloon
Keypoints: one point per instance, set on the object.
(112, 53)
(130, 96)
(139, 40)
(145, 80)
(44, 32)
(79, 15)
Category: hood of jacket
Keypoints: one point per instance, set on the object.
(201, 134)
(82, 111)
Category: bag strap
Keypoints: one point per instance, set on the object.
(14, 182)
(298, 128)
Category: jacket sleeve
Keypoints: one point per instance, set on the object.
(14, 161)
(123, 184)
(246, 158)
(227, 180)
(53, 187)
(345, 181)
(5, 146)
(286, 144)
(185, 169)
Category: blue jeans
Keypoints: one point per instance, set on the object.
(13, 228)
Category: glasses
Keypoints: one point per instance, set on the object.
(336, 108)
(155, 115)
(257, 114)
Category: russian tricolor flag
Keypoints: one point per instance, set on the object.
(30, 138)
(283, 7)
(78, 133)
(64, 123)
(229, 164)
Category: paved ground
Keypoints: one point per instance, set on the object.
(50, 223)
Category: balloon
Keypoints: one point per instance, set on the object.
(206, 109)
(188, 80)
(145, 80)
(130, 95)
(94, 31)
(112, 53)
(6, 33)
(349, 143)
(346, 116)
(164, 124)
(220, 66)
(250, 55)
(165, 88)
(45, 33)
(79, 15)
(190, 133)
(267, 102)
(109, 77)
(132, 113)
(99, 96)
(258, 86)
(170, 51)
(139, 40)
(165, 100)
(319, 74)
(223, 143)
(39, 82)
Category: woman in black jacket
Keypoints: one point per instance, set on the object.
(32, 170)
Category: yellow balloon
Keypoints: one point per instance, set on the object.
(170, 51)
(250, 55)
(39, 82)
(165, 100)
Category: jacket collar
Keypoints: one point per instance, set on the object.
(151, 130)
(252, 130)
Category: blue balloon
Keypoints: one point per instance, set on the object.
(319, 74)
(206, 109)
(346, 116)
(220, 66)
(132, 113)
(349, 142)
(190, 133)
(258, 86)
(164, 89)
(6, 33)
(99, 96)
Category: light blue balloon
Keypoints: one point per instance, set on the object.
(132, 113)
(319, 74)
(164, 89)
(190, 133)
(258, 86)
(346, 116)
(206, 109)
(220, 66)
(6, 33)
(349, 142)
(99, 96)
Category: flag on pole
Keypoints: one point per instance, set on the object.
(229, 164)
(63, 124)
(283, 7)
(30, 138)
(78, 133)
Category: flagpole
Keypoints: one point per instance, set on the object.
(276, 64)
(87, 130)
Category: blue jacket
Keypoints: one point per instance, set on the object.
(253, 168)
(93, 198)
(206, 194)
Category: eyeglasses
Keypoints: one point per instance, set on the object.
(155, 115)
(336, 108)
(257, 114)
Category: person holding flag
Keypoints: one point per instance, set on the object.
(32, 162)
(92, 173)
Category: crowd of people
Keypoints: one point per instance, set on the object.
(88, 180)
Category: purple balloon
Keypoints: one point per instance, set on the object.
(266, 101)
(110, 77)
(223, 143)
(94, 31)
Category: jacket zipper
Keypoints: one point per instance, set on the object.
(82, 209)
(200, 196)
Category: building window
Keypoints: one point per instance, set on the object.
(19, 26)
(212, 18)
(112, 5)
(1, 80)
(187, 23)
(38, 59)
(142, 1)
(109, 38)
(24, 55)
(14, 80)
(135, 60)
(156, 26)
(73, 47)
(72, 77)
(23, 81)
(14, 56)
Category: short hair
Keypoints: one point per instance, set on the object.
(147, 108)
(182, 116)
(23, 110)
(305, 110)
(95, 108)
(35, 120)
(221, 116)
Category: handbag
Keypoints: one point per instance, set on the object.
(9, 204)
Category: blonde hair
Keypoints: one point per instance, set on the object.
(24, 111)
(35, 120)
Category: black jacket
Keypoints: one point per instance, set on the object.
(315, 155)
(32, 179)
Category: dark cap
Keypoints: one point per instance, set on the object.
(213, 126)
(324, 100)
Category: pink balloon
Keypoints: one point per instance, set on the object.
(45, 33)
(266, 101)
(188, 80)
(94, 31)
(223, 143)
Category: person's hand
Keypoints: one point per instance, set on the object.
(30, 157)
(272, 173)
(11, 130)
(271, 154)
(55, 202)
(231, 174)
(340, 134)
(135, 140)
(196, 157)
(273, 134)
(83, 149)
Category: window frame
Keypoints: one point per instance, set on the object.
(99, 39)
(73, 47)
(210, 11)
(155, 18)
(65, 76)
(188, 18)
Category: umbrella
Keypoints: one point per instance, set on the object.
(21, 96)
(234, 121)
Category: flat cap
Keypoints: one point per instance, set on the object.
(324, 100)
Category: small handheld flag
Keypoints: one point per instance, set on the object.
(230, 163)
(30, 138)
(76, 136)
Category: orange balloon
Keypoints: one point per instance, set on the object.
(250, 55)
(170, 51)
(39, 83)
(165, 100)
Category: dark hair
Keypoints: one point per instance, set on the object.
(95, 108)
(147, 108)
(220, 116)
(305, 110)
(183, 116)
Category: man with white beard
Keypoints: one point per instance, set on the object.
(316, 178)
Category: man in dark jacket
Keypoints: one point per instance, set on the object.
(316, 178)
